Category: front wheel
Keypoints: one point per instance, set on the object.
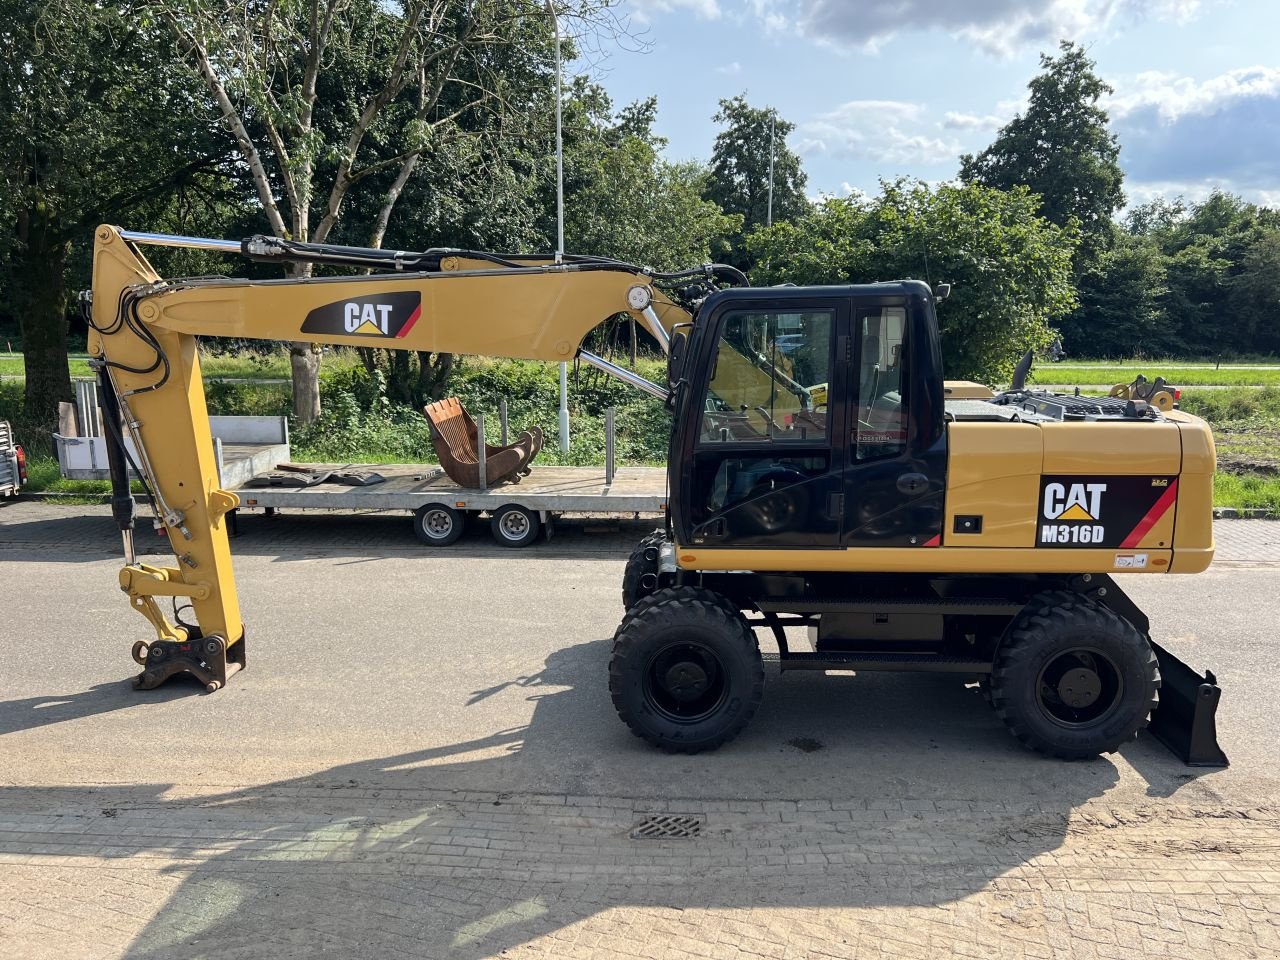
(438, 525)
(1072, 678)
(686, 673)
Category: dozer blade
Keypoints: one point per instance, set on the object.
(1186, 720)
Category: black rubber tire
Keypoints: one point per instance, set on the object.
(666, 624)
(674, 594)
(515, 526)
(438, 525)
(637, 567)
(1051, 626)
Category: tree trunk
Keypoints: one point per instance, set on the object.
(304, 364)
(38, 285)
(433, 375)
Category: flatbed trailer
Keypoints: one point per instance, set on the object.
(519, 511)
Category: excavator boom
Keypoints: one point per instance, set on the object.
(143, 340)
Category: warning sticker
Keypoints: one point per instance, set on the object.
(1130, 561)
(1080, 511)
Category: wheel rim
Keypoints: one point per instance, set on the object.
(437, 524)
(1079, 687)
(514, 525)
(685, 682)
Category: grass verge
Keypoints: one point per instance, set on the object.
(1061, 373)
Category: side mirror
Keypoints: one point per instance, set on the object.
(679, 348)
(941, 291)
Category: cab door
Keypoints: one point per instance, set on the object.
(895, 444)
(768, 456)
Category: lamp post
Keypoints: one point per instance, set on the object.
(564, 367)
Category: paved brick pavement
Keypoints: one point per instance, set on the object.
(1247, 541)
(308, 871)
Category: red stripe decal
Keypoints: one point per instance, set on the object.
(1152, 518)
(935, 542)
(408, 324)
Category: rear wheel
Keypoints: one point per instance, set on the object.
(1073, 679)
(438, 525)
(639, 564)
(515, 526)
(686, 674)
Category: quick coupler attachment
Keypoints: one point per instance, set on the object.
(1186, 720)
(208, 659)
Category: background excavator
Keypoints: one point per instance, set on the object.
(822, 476)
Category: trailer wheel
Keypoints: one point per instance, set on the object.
(438, 525)
(1073, 679)
(633, 590)
(515, 526)
(685, 674)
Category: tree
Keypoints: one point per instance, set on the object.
(393, 85)
(624, 200)
(1254, 293)
(740, 166)
(1060, 148)
(1123, 294)
(94, 122)
(1010, 268)
(1222, 261)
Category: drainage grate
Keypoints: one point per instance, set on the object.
(668, 826)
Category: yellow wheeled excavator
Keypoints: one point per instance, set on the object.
(823, 475)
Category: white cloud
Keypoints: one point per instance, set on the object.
(645, 10)
(1182, 135)
(1172, 97)
(996, 26)
(878, 130)
(1138, 192)
(971, 121)
(730, 69)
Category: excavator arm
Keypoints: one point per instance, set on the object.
(143, 341)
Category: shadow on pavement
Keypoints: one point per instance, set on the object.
(78, 537)
(407, 856)
(32, 712)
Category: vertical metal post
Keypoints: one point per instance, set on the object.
(502, 418)
(609, 450)
(217, 459)
(564, 408)
(773, 123)
(480, 451)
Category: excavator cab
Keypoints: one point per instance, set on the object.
(810, 418)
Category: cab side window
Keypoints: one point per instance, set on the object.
(880, 425)
(769, 382)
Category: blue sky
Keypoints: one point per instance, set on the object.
(880, 88)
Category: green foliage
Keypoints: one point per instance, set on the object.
(1060, 148)
(1010, 269)
(358, 425)
(1122, 312)
(97, 122)
(32, 432)
(1238, 408)
(1214, 270)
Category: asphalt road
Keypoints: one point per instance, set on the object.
(485, 669)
